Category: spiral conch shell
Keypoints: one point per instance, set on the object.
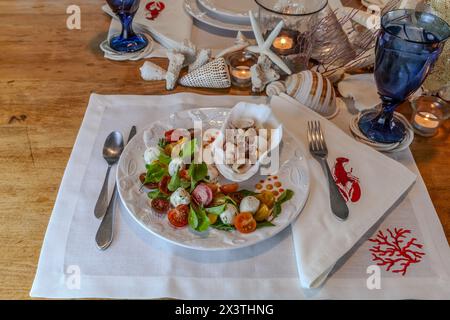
(314, 91)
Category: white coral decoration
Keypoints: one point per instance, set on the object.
(262, 74)
(214, 74)
(151, 71)
(175, 65)
(241, 42)
(202, 58)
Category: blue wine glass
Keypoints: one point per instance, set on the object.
(127, 40)
(408, 45)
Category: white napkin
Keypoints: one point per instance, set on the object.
(172, 25)
(320, 239)
(362, 89)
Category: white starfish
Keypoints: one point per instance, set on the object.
(264, 46)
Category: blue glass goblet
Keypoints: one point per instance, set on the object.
(127, 40)
(407, 47)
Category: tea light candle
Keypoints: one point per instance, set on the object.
(283, 43)
(425, 123)
(240, 63)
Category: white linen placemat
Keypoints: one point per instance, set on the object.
(139, 265)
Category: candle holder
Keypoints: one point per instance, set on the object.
(240, 63)
(428, 114)
(294, 43)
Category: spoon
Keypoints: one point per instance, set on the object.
(111, 153)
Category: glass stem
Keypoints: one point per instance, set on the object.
(384, 119)
(127, 25)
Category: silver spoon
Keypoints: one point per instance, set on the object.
(105, 231)
(111, 152)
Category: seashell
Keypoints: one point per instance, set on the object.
(173, 71)
(275, 88)
(242, 123)
(241, 42)
(202, 58)
(262, 118)
(214, 74)
(313, 90)
(151, 71)
(262, 74)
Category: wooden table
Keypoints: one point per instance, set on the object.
(47, 73)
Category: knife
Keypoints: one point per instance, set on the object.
(105, 232)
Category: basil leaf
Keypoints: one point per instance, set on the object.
(216, 210)
(197, 172)
(155, 172)
(264, 224)
(156, 194)
(192, 218)
(203, 220)
(285, 196)
(174, 182)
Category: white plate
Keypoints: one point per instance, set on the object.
(233, 11)
(293, 174)
(191, 7)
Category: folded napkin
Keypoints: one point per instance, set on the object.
(372, 182)
(171, 26)
(362, 89)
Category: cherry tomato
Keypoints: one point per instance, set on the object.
(266, 197)
(168, 136)
(229, 188)
(184, 174)
(212, 218)
(163, 185)
(150, 185)
(263, 213)
(244, 222)
(179, 215)
(202, 194)
(160, 204)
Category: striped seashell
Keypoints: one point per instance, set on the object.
(214, 74)
(314, 91)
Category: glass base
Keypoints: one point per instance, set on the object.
(134, 43)
(379, 131)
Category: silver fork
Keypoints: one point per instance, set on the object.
(318, 149)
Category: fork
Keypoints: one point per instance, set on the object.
(318, 149)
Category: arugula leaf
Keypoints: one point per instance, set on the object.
(188, 149)
(155, 172)
(247, 192)
(197, 173)
(264, 224)
(216, 210)
(219, 225)
(285, 196)
(164, 158)
(162, 143)
(156, 194)
(229, 199)
(192, 218)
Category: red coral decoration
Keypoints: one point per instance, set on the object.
(154, 8)
(392, 251)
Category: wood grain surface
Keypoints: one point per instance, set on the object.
(47, 73)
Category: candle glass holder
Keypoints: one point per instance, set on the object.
(294, 43)
(428, 113)
(127, 40)
(240, 63)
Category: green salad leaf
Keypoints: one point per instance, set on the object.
(216, 210)
(155, 172)
(154, 194)
(219, 225)
(247, 192)
(188, 149)
(264, 224)
(162, 143)
(285, 196)
(164, 158)
(192, 218)
(197, 173)
(198, 220)
(174, 182)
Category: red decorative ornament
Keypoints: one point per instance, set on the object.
(392, 250)
(346, 182)
(154, 8)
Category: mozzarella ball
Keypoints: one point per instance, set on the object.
(249, 204)
(175, 165)
(151, 154)
(213, 173)
(228, 215)
(180, 196)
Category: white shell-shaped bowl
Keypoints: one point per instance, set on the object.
(264, 118)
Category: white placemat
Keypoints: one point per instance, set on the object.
(139, 265)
